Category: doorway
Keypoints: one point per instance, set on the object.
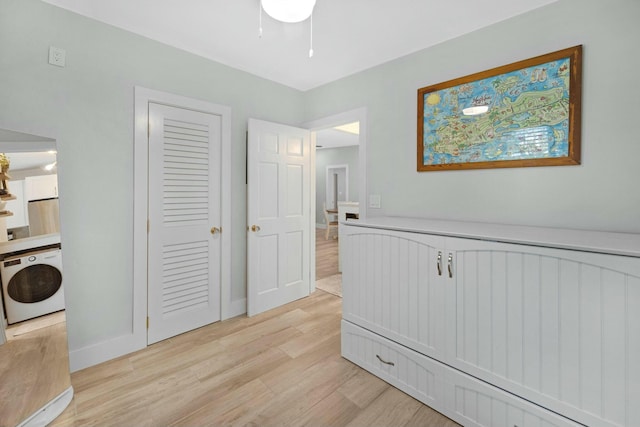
(337, 185)
(23, 344)
(340, 142)
(148, 215)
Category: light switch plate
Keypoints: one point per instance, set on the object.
(374, 201)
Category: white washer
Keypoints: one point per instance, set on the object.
(32, 284)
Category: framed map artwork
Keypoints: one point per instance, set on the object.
(522, 114)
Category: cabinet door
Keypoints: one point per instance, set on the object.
(41, 187)
(557, 327)
(17, 206)
(391, 285)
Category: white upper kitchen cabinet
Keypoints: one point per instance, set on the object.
(41, 187)
(17, 206)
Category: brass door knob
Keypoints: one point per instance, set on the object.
(215, 230)
(255, 228)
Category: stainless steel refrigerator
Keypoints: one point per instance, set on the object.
(44, 217)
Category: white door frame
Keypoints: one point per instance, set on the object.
(329, 183)
(356, 115)
(140, 209)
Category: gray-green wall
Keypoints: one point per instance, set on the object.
(335, 156)
(600, 194)
(88, 108)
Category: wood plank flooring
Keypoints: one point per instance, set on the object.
(326, 255)
(280, 368)
(34, 369)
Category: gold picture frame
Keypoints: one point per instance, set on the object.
(523, 114)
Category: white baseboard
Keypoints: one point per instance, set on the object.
(104, 351)
(50, 411)
(236, 308)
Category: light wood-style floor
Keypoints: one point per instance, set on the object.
(280, 368)
(34, 369)
(326, 255)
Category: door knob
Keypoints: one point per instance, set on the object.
(255, 228)
(215, 230)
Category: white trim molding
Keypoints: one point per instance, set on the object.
(359, 115)
(328, 183)
(137, 339)
(143, 97)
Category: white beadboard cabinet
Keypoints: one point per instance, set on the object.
(497, 325)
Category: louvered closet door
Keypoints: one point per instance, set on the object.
(184, 205)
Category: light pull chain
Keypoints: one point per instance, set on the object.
(260, 21)
(311, 38)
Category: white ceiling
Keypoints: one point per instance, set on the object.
(31, 160)
(332, 138)
(348, 35)
(26, 151)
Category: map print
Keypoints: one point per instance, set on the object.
(527, 117)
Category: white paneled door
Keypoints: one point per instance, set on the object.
(278, 264)
(184, 241)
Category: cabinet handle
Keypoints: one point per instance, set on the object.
(439, 263)
(450, 264)
(384, 361)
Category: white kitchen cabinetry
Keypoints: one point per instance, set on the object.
(521, 322)
(41, 187)
(18, 205)
(347, 211)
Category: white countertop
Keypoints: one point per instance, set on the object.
(348, 204)
(29, 243)
(627, 244)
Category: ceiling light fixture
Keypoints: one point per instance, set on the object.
(289, 12)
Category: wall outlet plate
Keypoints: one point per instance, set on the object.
(374, 201)
(57, 56)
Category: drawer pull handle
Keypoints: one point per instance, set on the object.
(450, 265)
(384, 361)
(439, 263)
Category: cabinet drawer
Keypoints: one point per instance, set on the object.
(474, 403)
(462, 398)
(411, 372)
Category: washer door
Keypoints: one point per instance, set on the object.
(34, 283)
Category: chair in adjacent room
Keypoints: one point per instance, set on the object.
(331, 219)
